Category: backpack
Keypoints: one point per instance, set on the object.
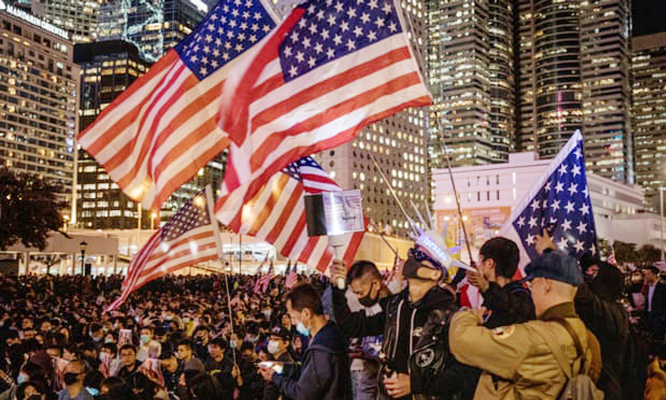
(580, 385)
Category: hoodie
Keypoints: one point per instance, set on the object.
(325, 370)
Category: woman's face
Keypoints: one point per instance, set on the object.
(31, 391)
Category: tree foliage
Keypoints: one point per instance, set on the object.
(649, 254)
(29, 209)
(625, 252)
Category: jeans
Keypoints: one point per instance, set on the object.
(364, 382)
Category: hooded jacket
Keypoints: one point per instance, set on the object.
(415, 339)
(325, 370)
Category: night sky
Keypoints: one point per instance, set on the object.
(649, 16)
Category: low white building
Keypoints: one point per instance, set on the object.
(488, 194)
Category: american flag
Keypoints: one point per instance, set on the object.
(330, 68)
(292, 276)
(158, 134)
(277, 215)
(257, 283)
(611, 256)
(559, 201)
(188, 238)
(262, 283)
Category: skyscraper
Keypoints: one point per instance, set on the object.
(78, 17)
(649, 115)
(153, 27)
(573, 73)
(107, 69)
(38, 97)
(398, 143)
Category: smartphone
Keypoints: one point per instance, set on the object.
(275, 366)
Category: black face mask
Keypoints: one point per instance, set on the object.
(71, 378)
(409, 270)
(367, 301)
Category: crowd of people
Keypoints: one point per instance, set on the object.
(187, 337)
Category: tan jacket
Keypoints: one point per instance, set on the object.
(523, 365)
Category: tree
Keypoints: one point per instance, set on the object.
(625, 252)
(29, 209)
(649, 254)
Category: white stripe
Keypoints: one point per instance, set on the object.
(278, 209)
(268, 192)
(300, 244)
(324, 187)
(294, 216)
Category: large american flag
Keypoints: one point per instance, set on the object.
(330, 68)
(277, 215)
(158, 134)
(188, 238)
(559, 201)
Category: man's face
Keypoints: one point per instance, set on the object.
(29, 333)
(184, 352)
(214, 350)
(26, 324)
(286, 320)
(53, 352)
(46, 326)
(592, 270)
(127, 357)
(296, 316)
(650, 277)
(487, 268)
(75, 368)
(539, 288)
(362, 286)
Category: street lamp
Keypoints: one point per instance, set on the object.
(83, 246)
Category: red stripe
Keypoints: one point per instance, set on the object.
(296, 232)
(269, 206)
(280, 224)
(309, 248)
(167, 61)
(142, 148)
(235, 122)
(332, 113)
(322, 88)
(185, 238)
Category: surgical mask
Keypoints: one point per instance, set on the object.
(145, 339)
(108, 340)
(71, 378)
(22, 378)
(273, 346)
(267, 314)
(92, 391)
(253, 339)
(97, 338)
(300, 328)
(186, 320)
(233, 345)
(368, 301)
(168, 317)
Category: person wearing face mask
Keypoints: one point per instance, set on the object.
(201, 337)
(97, 335)
(145, 336)
(222, 367)
(75, 390)
(414, 325)
(278, 347)
(324, 373)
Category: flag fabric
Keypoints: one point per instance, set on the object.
(332, 67)
(188, 238)
(277, 215)
(257, 283)
(158, 134)
(266, 279)
(292, 276)
(559, 201)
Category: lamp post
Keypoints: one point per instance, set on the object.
(83, 246)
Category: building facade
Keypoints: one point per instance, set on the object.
(78, 17)
(489, 193)
(574, 73)
(39, 92)
(153, 27)
(107, 69)
(649, 115)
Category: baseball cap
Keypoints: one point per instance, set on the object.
(556, 266)
(281, 332)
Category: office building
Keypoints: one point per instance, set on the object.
(649, 115)
(107, 69)
(573, 73)
(78, 17)
(398, 143)
(153, 27)
(39, 92)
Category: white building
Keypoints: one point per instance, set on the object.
(488, 194)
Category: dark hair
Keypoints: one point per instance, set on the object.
(360, 268)
(219, 342)
(204, 386)
(38, 385)
(186, 342)
(127, 346)
(145, 387)
(246, 346)
(654, 269)
(118, 389)
(95, 327)
(35, 371)
(505, 254)
(110, 346)
(305, 296)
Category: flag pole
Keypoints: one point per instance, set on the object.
(220, 252)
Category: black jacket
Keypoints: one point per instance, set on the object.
(325, 371)
(508, 305)
(415, 340)
(270, 391)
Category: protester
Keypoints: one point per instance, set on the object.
(654, 316)
(536, 358)
(324, 373)
(75, 389)
(278, 347)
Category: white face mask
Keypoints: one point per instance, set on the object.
(273, 346)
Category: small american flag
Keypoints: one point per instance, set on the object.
(277, 215)
(611, 256)
(332, 67)
(188, 238)
(292, 276)
(257, 284)
(261, 286)
(163, 128)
